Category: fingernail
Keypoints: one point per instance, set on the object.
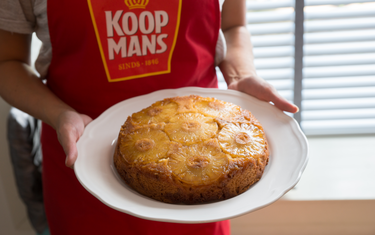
(297, 109)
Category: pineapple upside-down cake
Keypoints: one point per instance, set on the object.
(191, 150)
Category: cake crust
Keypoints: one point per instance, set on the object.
(191, 150)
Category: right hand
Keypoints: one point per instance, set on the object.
(22, 88)
(69, 128)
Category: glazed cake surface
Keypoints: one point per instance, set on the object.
(191, 150)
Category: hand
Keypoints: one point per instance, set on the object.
(69, 128)
(259, 88)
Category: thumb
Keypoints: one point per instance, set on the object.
(69, 132)
(71, 142)
(71, 154)
(70, 148)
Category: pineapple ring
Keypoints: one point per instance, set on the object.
(216, 105)
(154, 111)
(191, 128)
(242, 139)
(158, 112)
(145, 145)
(199, 164)
(217, 108)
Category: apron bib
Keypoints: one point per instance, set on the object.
(106, 51)
(103, 52)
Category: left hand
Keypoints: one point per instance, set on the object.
(262, 90)
(237, 67)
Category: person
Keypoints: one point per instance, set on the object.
(98, 53)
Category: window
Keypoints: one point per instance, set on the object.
(336, 88)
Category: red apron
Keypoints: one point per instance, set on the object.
(106, 51)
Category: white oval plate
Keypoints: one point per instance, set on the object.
(95, 171)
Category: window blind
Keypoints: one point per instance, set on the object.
(338, 81)
(338, 95)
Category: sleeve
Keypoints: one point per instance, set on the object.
(17, 16)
